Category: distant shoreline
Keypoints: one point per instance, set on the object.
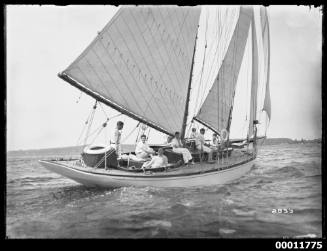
(268, 141)
(277, 141)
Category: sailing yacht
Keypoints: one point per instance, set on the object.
(142, 64)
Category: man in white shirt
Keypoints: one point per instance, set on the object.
(142, 150)
(193, 134)
(200, 144)
(157, 161)
(178, 148)
(215, 141)
(117, 137)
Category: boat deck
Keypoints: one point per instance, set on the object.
(235, 159)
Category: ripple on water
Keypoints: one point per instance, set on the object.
(283, 177)
(157, 223)
(226, 231)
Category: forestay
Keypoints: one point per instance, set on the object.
(140, 63)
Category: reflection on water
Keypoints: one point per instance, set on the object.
(41, 204)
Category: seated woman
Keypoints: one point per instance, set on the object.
(178, 148)
(157, 161)
(200, 145)
(142, 150)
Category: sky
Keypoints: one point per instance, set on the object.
(43, 111)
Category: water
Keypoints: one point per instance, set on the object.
(41, 204)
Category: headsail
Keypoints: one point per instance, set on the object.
(254, 85)
(140, 64)
(216, 108)
(266, 47)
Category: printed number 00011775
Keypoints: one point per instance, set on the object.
(298, 245)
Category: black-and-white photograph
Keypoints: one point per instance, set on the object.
(164, 121)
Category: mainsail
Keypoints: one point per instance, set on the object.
(216, 108)
(140, 64)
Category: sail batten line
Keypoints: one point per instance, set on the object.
(145, 62)
(159, 52)
(112, 104)
(110, 77)
(165, 46)
(148, 105)
(136, 80)
(180, 33)
(91, 67)
(155, 62)
(118, 70)
(169, 58)
(175, 45)
(172, 51)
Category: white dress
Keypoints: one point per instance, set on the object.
(156, 161)
(176, 144)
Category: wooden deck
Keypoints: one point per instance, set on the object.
(236, 158)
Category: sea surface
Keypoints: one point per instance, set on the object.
(41, 204)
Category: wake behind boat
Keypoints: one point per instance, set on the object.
(142, 65)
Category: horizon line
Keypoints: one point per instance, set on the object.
(53, 147)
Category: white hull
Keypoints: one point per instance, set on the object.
(112, 180)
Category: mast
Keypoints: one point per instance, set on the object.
(188, 91)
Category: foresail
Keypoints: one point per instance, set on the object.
(216, 108)
(140, 63)
(266, 47)
(254, 84)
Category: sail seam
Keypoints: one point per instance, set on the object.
(149, 52)
(134, 99)
(180, 75)
(133, 75)
(159, 52)
(124, 80)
